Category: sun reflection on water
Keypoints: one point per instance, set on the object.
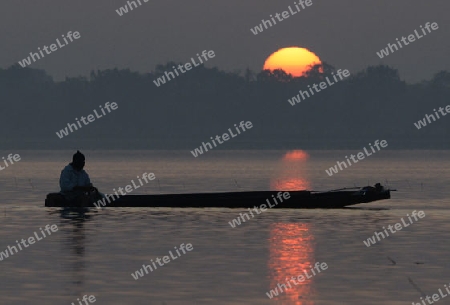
(291, 253)
(291, 173)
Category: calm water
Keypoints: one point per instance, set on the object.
(96, 255)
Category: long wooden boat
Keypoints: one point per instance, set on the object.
(270, 199)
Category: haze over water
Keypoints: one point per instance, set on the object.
(164, 88)
(96, 255)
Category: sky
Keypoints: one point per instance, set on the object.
(346, 34)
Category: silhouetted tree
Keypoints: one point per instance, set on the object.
(203, 102)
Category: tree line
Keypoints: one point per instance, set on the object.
(371, 104)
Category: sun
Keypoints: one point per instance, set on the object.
(294, 60)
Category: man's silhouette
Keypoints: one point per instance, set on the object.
(75, 184)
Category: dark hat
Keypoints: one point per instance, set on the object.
(78, 157)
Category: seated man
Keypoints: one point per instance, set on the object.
(379, 188)
(75, 184)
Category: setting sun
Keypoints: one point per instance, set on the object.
(293, 60)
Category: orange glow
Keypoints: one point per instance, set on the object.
(290, 175)
(290, 184)
(293, 60)
(291, 253)
(296, 155)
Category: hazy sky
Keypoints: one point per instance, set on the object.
(347, 33)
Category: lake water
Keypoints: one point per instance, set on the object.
(97, 254)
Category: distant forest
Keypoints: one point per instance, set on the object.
(204, 102)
